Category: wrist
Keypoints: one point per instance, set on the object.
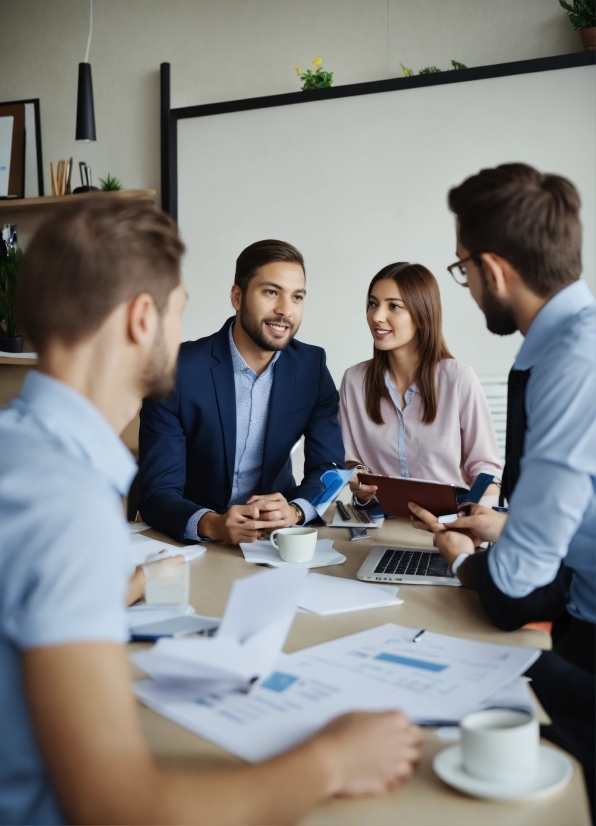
(208, 525)
(325, 757)
(300, 515)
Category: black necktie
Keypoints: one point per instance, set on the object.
(516, 430)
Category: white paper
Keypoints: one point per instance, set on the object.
(144, 549)
(438, 678)
(6, 127)
(143, 614)
(334, 595)
(514, 696)
(136, 527)
(262, 552)
(254, 627)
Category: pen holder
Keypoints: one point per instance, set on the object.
(166, 584)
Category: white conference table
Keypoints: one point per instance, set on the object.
(424, 799)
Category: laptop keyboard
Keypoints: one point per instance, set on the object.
(416, 563)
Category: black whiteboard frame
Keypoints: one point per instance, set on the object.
(38, 149)
(170, 117)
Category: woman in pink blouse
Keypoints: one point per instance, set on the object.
(413, 410)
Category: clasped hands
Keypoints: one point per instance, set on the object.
(464, 535)
(245, 523)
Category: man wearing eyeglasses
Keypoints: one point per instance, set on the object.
(519, 248)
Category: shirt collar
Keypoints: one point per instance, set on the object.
(80, 427)
(238, 363)
(562, 306)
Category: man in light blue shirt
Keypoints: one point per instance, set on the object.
(519, 248)
(100, 298)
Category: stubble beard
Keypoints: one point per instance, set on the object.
(499, 317)
(254, 330)
(159, 377)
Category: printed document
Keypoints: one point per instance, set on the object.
(436, 680)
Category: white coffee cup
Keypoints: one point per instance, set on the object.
(500, 745)
(295, 544)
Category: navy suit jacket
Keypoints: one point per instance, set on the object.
(187, 444)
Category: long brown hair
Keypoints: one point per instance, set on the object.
(420, 293)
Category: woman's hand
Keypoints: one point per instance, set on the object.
(364, 493)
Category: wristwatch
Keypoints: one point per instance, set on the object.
(299, 512)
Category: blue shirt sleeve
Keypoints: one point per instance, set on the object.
(68, 581)
(556, 485)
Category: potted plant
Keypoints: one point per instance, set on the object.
(582, 15)
(10, 263)
(319, 79)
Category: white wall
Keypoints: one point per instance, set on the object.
(226, 49)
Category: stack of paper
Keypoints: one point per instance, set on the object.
(144, 549)
(435, 680)
(262, 552)
(335, 595)
(252, 632)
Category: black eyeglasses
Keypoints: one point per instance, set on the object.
(459, 272)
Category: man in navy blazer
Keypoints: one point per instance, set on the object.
(215, 456)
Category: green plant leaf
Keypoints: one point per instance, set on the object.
(429, 70)
(110, 184)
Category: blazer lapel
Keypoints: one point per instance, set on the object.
(279, 401)
(225, 392)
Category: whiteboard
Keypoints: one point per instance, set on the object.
(360, 182)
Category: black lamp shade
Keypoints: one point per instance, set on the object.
(85, 110)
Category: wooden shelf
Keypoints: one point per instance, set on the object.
(16, 204)
(6, 358)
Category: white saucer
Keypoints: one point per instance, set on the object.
(554, 772)
(262, 552)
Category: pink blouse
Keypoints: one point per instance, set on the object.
(455, 448)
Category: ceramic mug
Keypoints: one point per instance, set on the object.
(295, 544)
(500, 745)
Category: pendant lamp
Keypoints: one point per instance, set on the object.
(85, 111)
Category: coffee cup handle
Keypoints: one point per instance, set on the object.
(272, 538)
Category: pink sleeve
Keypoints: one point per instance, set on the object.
(345, 403)
(480, 452)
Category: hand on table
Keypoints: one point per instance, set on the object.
(241, 523)
(273, 507)
(370, 752)
(136, 584)
(364, 493)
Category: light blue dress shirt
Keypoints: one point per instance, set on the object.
(394, 395)
(553, 507)
(252, 411)
(64, 560)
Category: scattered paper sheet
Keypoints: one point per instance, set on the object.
(143, 614)
(254, 627)
(334, 595)
(262, 552)
(144, 549)
(513, 696)
(438, 679)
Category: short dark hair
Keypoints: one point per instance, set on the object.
(261, 253)
(90, 257)
(528, 217)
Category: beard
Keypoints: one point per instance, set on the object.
(159, 376)
(499, 317)
(253, 327)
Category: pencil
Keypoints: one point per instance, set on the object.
(54, 181)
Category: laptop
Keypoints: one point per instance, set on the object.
(410, 566)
